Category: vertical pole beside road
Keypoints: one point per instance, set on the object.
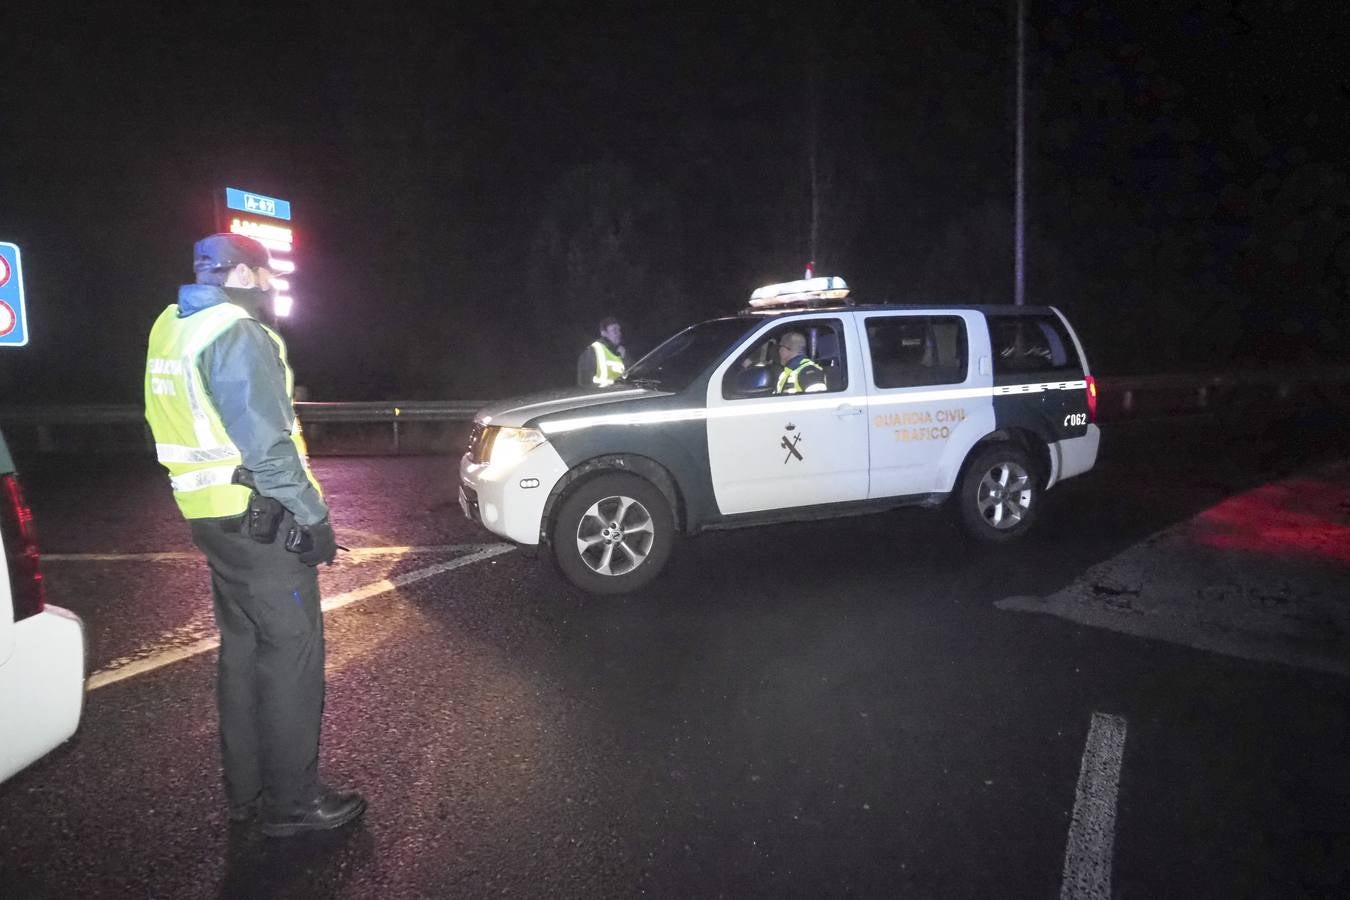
(1019, 225)
(1092, 831)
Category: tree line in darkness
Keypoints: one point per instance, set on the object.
(474, 188)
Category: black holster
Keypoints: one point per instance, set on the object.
(299, 540)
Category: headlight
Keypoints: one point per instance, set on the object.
(509, 445)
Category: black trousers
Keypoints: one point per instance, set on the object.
(270, 685)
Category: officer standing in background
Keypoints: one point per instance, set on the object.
(218, 398)
(800, 374)
(603, 361)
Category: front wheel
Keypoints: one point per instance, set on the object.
(613, 534)
(1000, 494)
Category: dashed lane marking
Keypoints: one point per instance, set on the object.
(112, 675)
(172, 555)
(1092, 831)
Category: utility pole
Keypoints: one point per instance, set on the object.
(1019, 209)
(813, 152)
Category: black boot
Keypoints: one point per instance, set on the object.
(331, 809)
(244, 813)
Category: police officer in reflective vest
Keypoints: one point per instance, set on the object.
(218, 399)
(601, 364)
(800, 375)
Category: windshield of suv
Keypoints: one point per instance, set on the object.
(675, 364)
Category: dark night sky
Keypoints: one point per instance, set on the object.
(474, 186)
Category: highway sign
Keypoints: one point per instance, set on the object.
(257, 204)
(13, 312)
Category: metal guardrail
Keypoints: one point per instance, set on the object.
(315, 415)
(1121, 396)
(134, 414)
(1199, 391)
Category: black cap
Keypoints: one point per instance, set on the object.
(225, 251)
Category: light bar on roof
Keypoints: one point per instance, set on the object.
(805, 290)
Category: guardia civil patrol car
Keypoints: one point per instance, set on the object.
(982, 408)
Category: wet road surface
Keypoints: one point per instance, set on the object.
(827, 709)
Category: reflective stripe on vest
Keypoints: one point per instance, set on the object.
(179, 454)
(608, 364)
(200, 479)
(190, 440)
(788, 382)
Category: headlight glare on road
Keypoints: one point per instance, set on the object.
(511, 445)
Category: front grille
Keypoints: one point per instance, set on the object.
(480, 442)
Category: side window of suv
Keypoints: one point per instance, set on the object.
(917, 350)
(758, 370)
(1031, 344)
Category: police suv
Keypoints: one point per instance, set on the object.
(980, 407)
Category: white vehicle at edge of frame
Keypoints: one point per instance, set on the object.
(42, 647)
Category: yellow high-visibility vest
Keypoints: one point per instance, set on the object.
(190, 440)
(608, 364)
(788, 379)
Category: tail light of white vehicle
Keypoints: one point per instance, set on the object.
(1092, 398)
(25, 571)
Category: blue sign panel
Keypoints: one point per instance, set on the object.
(257, 204)
(13, 313)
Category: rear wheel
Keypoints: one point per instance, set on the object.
(1000, 494)
(613, 534)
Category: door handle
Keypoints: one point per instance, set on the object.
(845, 409)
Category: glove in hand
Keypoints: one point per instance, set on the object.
(316, 543)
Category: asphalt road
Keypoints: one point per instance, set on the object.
(815, 710)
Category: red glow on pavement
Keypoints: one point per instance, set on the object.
(1302, 518)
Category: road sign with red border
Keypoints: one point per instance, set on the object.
(13, 312)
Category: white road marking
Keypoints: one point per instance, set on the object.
(114, 674)
(1092, 833)
(172, 555)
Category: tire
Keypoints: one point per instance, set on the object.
(1000, 495)
(613, 534)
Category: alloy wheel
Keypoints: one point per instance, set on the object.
(615, 535)
(1005, 495)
